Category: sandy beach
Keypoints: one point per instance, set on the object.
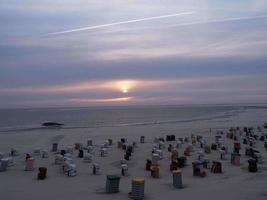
(235, 182)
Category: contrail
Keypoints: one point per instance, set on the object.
(118, 23)
(219, 21)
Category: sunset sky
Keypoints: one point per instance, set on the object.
(129, 52)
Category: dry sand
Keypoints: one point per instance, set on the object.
(234, 183)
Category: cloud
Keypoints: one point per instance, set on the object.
(213, 55)
(245, 44)
(212, 89)
(87, 86)
(142, 85)
(107, 100)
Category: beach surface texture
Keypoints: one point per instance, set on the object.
(235, 181)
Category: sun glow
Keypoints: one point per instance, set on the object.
(107, 100)
(126, 85)
(125, 91)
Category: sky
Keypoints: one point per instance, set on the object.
(130, 52)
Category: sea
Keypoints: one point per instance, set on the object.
(27, 119)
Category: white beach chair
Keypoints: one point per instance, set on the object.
(259, 157)
(67, 160)
(67, 155)
(124, 170)
(179, 144)
(71, 169)
(96, 169)
(59, 159)
(161, 145)
(155, 159)
(103, 152)
(201, 155)
(222, 154)
(87, 158)
(160, 153)
(90, 149)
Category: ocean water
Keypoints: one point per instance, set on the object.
(14, 120)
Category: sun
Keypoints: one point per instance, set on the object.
(125, 86)
(124, 91)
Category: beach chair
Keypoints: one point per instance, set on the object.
(10, 161)
(160, 153)
(112, 184)
(123, 161)
(71, 169)
(29, 165)
(155, 159)
(252, 167)
(59, 159)
(124, 170)
(3, 164)
(37, 152)
(96, 169)
(14, 152)
(87, 158)
(200, 155)
(89, 142)
(155, 171)
(103, 152)
(138, 189)
(148, 165)
(42, 173)
(45, 154)
(216, 167)
(161, 145)
(69, 150)
(222, 154)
